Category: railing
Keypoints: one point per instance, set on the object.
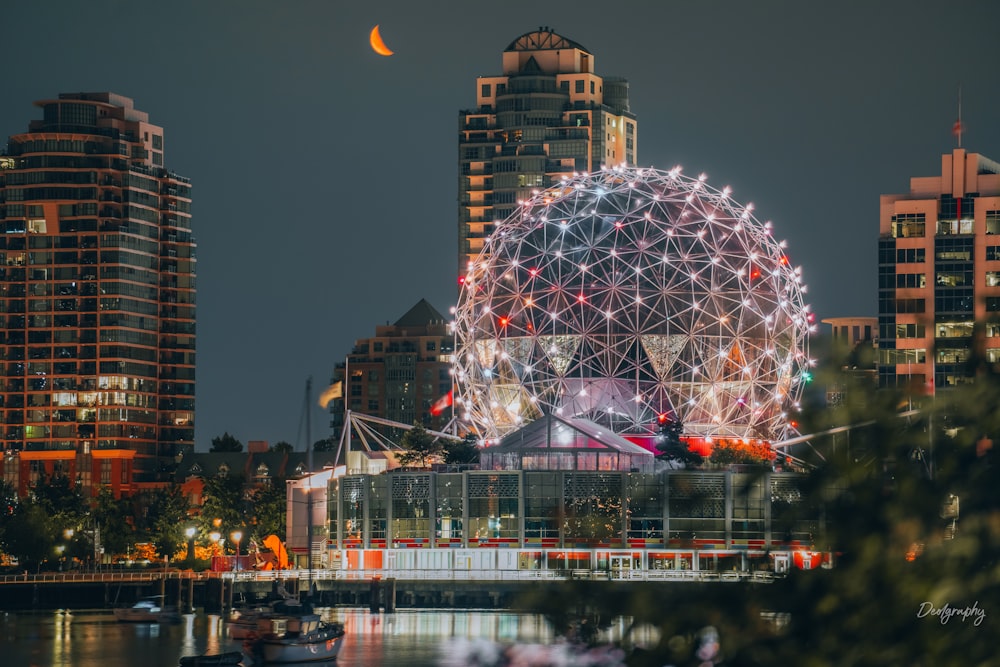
(399, 575)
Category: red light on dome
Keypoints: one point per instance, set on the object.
(532, 272)
(461, 280)
(784, 260)
(662, 418)
(503, 321)
(581, 298)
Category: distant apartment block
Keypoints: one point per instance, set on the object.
(939, 275)
(97, 298)
(400, 372)
(547, 115)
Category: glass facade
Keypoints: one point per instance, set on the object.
(700, 510)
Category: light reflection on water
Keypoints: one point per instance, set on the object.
(93, 638)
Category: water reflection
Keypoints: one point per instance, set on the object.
(408, 638)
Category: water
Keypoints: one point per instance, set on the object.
(417, 638)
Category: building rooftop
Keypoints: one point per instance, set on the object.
(422, 314)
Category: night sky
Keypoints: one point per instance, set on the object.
(325, 175)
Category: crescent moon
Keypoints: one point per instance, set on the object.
(378, 46)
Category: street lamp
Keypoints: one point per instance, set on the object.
(216, 537)
(190, 532)
(237, 536)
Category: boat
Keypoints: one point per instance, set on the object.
(148, 610)
(243, 622)
(295, 633)
(227, 659)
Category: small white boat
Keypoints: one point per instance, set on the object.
(294, 633)
(148, 610)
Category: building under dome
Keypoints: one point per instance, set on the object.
(566, 443)
(628, 296)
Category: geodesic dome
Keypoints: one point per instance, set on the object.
(626, 294)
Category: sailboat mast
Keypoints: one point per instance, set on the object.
(309, 489)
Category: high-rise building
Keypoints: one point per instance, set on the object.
(97, 297)
(546, 116)
(400, 372)
(939, 275)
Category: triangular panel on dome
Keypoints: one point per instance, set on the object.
(662, 350)
(520, 349)
(486, 353)
(560, 350)
(510, 406)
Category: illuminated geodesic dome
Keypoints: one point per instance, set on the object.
(626, 295)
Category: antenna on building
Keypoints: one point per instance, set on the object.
(957, 128)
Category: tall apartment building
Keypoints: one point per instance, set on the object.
(97, 297)
(400, 372)
(547, 115)
(939, 275)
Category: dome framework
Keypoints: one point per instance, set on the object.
(626, 295)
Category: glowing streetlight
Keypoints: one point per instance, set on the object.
(237, 536)
(190, 532)
(216, 538)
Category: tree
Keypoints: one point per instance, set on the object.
(30, 534)
(419, 446)
(226, 443)
(325, 445)
(8, 504)
(114, 520)
(282, 447)
(269, 506)
(462, 451)
(670, 445)
(60, 499)
(225, 502)
(165, 520)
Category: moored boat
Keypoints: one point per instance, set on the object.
(243, 623)
(294, 633)
(148, 610)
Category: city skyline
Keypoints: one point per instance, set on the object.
(324, 175)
